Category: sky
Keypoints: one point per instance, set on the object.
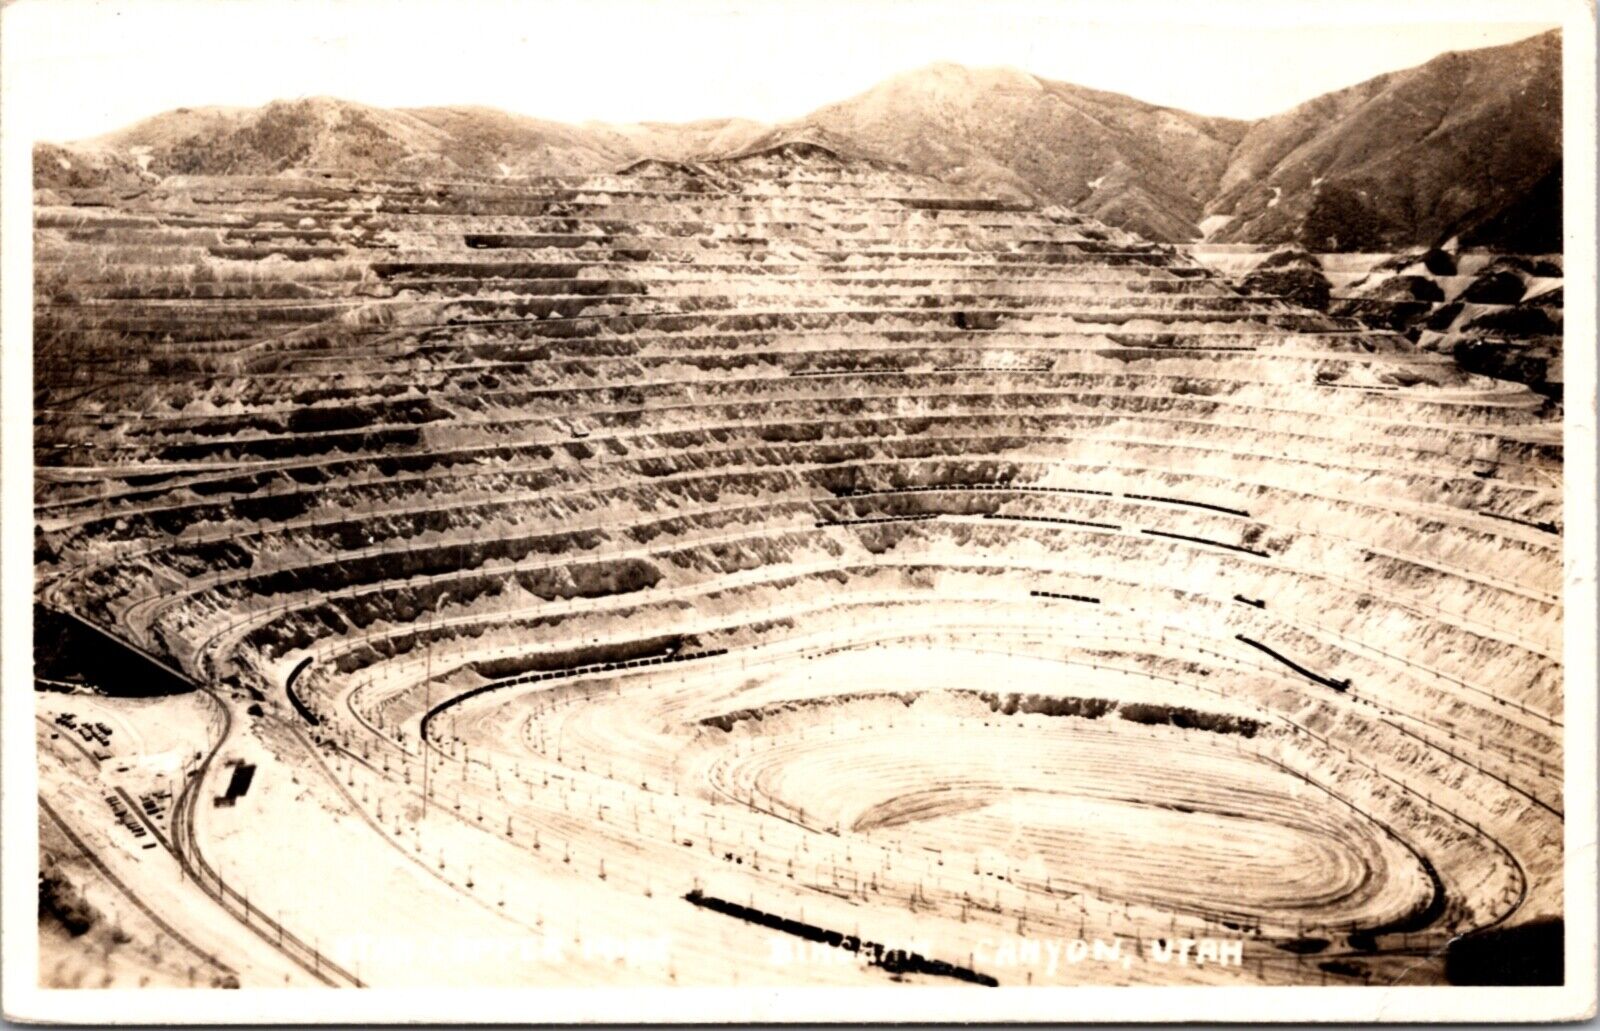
(86, 67)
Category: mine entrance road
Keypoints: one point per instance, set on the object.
(185, 847)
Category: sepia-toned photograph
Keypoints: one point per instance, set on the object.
(792, 511)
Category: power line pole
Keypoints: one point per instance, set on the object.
(427, 704)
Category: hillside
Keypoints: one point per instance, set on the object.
(1132, 164)
(687, 140)
(1467, 145)
(325, 133)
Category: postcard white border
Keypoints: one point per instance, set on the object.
(24, 1000)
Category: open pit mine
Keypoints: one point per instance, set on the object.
(778, 570)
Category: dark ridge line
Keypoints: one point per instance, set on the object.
(1208, 541)
(1011, 704)
(608, 667)
(920, 517)
(1066, 597)
(895, 961)
(1191, 504)
(995, 485)
(1544, 524)
(1338, 685)
(1149, 350)
(1051, 519)
(562, 674)
(980, 204)
(996, 368)
(294, 699)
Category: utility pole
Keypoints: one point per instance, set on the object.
(427, 704)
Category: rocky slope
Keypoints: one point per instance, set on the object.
(1496, 314)
(1500, 316)
(1145, 168)
(1467, 145)
(325, 133)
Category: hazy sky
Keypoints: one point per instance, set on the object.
(85, 67)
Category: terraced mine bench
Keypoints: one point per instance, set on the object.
(434, 469)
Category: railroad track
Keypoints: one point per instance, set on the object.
(105, 871)
(185, 848)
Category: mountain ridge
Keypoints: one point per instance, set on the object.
(1443, 147)
(1466, 146)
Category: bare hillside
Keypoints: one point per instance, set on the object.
(1415, 157)
(1466, 146)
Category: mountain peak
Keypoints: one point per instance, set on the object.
(1457, 146)
(949, 76)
